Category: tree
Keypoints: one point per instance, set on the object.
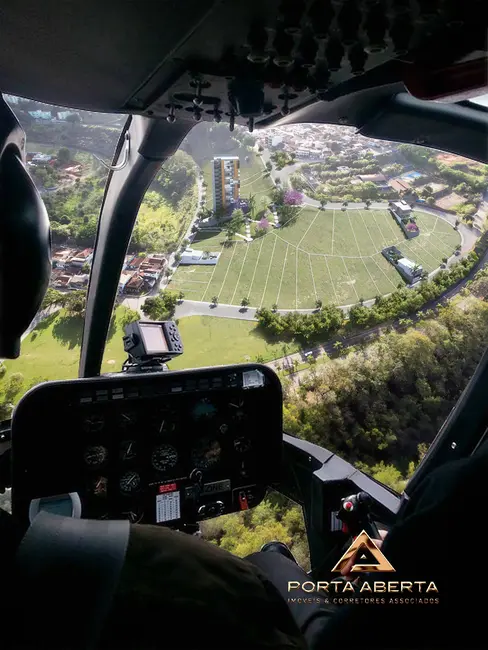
(75, 303)
(53, 298)
(127, 316)
(73, 118)
(64, 156)
(274, 307)
(235, 224)
(162, 306)
(10, 387)
(245, 302)
(181, 296)
(215, 300)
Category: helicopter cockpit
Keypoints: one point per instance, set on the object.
(174, 448)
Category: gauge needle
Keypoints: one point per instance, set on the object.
(128, 450)
(161, 427)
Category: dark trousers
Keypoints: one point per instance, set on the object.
(311, 611)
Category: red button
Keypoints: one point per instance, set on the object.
(348, 505)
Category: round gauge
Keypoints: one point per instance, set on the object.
(164, 457)
(127, 420)
(130, 482)
(236, 408)
(241, 445)
(98, 487)
(95, 455)
(94, 422)
(134, 516)
(164, 421)
(206, 453)
(128, 450)
(204, 410)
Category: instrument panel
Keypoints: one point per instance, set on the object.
(167, 448)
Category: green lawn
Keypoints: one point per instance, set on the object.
(216, 341)
(52, 350)
(330, 255)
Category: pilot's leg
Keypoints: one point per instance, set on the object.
(311, 610)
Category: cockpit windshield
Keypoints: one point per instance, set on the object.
(355, 268)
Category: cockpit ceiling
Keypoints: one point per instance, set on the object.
(236, 60)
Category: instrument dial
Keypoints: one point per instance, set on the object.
(236, 408)
(130, 482)
(241, 445)
(134, 516)
(94, 422)
(98, 487)
(204, 410)
(164, 457)
(128, 450)
(164, 421)
(127, 420)
(206, 453)
(95, 455)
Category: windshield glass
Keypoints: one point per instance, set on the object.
(64, 153)
(353, 267)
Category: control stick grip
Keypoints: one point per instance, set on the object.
(355, 513)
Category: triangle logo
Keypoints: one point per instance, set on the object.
(366, 556)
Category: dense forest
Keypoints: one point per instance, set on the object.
(379, 407)
(163, 217)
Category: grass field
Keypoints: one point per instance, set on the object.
(52, 350)
(329, 255)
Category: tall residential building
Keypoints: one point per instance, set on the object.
(225, 182)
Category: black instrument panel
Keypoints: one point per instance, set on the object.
(167, 448)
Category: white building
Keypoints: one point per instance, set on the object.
(409, 269)
(191, 256)
(402, 209)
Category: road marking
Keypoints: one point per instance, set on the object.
(389, 279)
(353, 232)
(333, 228)
(239, 278)
(350, 279)
(296, 278)
(282, 274)
(213, 273)
(331, 280)
(372, 279)
(255, 267)
(369, 233)
(228, 268)
(267, 277)
(306, 232)
(313, 278)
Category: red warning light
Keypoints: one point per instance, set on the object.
(168, 487)
(348, 505)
